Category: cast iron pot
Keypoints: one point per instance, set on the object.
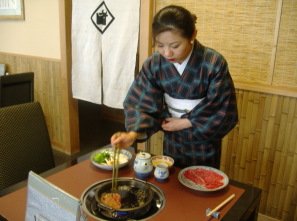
(136, 197)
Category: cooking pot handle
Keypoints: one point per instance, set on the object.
(142, 181)
(110, 209)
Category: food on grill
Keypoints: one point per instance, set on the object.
(112, 200)
(125, 197)
(206, 178)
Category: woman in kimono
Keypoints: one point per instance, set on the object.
(185, 90)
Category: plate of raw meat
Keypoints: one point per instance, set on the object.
(203, 178)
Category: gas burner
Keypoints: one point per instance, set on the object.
(89, 203)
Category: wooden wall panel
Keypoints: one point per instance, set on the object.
(47, 90)
(69, 105)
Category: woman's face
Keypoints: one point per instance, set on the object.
(173, 46)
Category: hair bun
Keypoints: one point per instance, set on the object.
(194, 18)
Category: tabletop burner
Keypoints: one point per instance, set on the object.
(90, 207)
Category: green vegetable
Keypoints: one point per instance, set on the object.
(100, 157)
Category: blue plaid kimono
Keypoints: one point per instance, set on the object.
(205, 76)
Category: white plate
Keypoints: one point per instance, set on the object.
(188, 183)
(109, 167)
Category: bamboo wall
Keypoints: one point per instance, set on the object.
(47, 90)
(262, 150)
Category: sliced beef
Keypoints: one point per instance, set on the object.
(111, 199)
(206, 178)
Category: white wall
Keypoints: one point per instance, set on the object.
(37, 35)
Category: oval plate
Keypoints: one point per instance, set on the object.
(109, 167)
(190, 184)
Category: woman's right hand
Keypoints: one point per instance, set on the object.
(123, 139)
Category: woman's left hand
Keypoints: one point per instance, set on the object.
(176, 124)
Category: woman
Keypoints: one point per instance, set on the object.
(185, 90)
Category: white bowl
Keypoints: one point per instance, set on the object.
(110, 167)
(162, 159)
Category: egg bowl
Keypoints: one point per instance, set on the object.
(162, 159)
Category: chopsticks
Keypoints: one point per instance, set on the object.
(115, 168)
(221, 204)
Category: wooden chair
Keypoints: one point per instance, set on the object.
(24, 143)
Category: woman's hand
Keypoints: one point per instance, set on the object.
(123, 139)
(176, 124)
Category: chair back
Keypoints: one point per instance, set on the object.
(16, 89)
(24, 143)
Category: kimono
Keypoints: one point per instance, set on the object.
(206, 76)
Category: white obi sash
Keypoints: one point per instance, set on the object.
(178, 107)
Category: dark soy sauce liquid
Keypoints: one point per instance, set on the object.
(131, 197)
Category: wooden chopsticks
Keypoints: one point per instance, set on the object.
(221, 204)
(115, 168)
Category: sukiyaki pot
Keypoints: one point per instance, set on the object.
(131, 199)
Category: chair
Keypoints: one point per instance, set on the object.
(24, 143)
(16, 89)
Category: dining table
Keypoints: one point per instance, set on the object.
(180, 201)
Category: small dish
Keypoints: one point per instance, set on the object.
(162, 159)
(109, 167)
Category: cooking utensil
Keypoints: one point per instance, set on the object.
(214, 211)
(136, 197)
(90, 204)
(115, 169)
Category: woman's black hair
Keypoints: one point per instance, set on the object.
(174, 18)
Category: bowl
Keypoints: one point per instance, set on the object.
(162, 159)
(127, 154)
